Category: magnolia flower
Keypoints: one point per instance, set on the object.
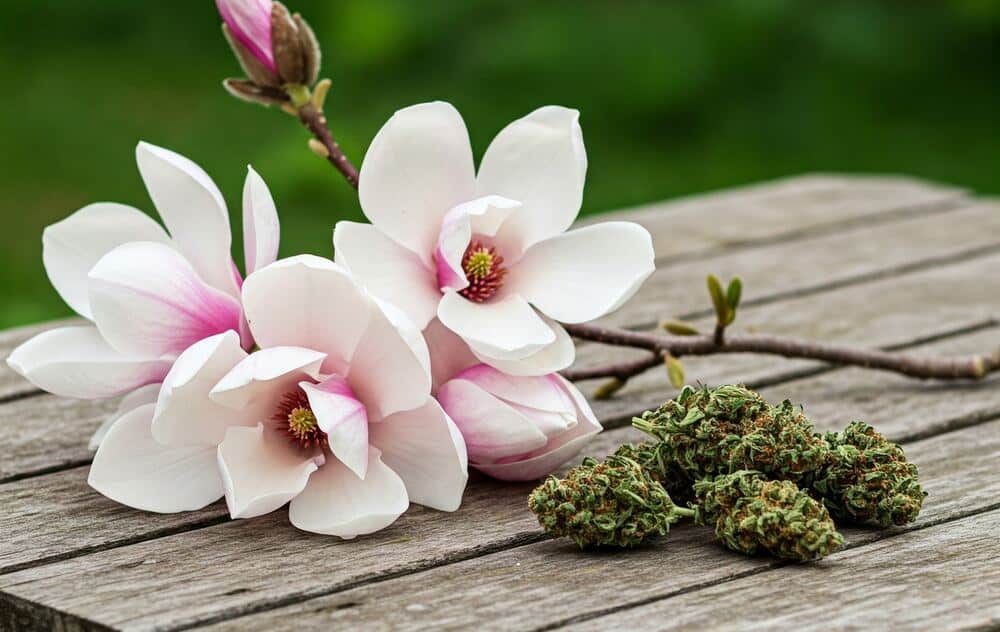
(517, 428)
(333, 414)
(148, 294)
(249, 23)
(487, 253)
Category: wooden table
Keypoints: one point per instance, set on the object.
(880, 261)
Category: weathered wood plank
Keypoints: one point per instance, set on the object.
(883, 313)
(551, 581)
(781, 209)
(35, 450)
(58, 515)
(202, 574)
(941, 578)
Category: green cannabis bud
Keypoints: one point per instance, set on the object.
(614, 502)
(665, 472)
(751, 514)
(868, 479)
(710, 431)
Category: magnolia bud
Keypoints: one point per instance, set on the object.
(274, 47)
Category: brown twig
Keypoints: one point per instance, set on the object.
(315, 121)
(957, 368)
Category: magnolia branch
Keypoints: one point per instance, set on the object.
(958, 368)
(315, 121)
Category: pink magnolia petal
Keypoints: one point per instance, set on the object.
(425, 448)
(193, 210)
(71, 247)
(139, 397)
(549, 358)
(337, 502)
(491, 428)
(555, 452)
(387, 270)
(255, 386)
(344, 420)
(185, 414)
(482, 217)
(448, 352)
(132, 468)
(261, 471)
(311, 302)
(586, 273)
(250, 23)
(542, 392)
(261, 230)
(418, 166)
(77, 362)
(540, 161)
(147, 300)
(391, 370)
(508, 325)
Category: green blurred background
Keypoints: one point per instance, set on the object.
(677, 97)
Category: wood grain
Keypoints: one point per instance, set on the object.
(546, 583)
(233, 567)
(941, 578)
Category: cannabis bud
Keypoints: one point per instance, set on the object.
(867, 478)
(663, 471)
(615, 502)
(276, 49)
(751, 513)
(710, 431)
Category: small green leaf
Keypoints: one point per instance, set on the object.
(679, 328)
(734, 292)
(718, 298)
(675, 371)
(608, 389)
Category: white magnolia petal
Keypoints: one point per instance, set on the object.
(132, 468)
(344, 420)
(77, 362)
(139, 397)
(425, 448)
(261, 470)
(337, 502)
(586, 273)
(557, 451)
(255, 386)
(418, 166)
(389, 271)
(147, 300)
(508, 325)
(543, 392)
(391, 370)
(480, 217)
(193, 210)
(307, 301)
(449, 353)
(492, 429)
(185, 414)
(549, 358)
(71, 247)
(261, 230)
(540, 161)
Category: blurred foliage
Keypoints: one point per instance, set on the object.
(677, 97)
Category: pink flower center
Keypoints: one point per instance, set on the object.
(297, 419)
(483, 268)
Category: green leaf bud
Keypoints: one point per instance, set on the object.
(868, 479)
(611, 503)
(752, 514)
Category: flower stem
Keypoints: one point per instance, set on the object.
(315, 121)
(956, 368)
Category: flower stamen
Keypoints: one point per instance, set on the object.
(298, 420)
(484, 270)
